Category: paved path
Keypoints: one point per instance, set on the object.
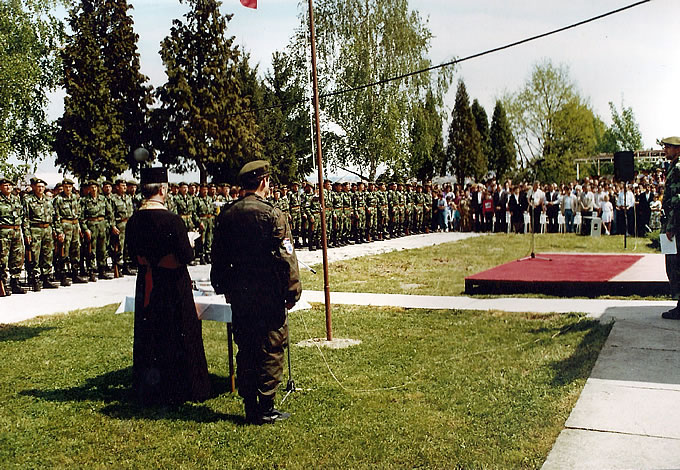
(626, 417)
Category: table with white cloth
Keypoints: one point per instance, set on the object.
(215, 308)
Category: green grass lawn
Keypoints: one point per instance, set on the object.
(473, 390)
(441, 269)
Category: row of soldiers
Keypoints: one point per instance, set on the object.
(65, 236)
(356, 212)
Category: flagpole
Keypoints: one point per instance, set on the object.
(319, 164)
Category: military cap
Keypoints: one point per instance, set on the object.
(253, 170)
(107, 182)
(120, 180)
(57, 186)
(67, 181)
(33, 180)
(674, 141)
(4, 180)
(212, 185)
(154, 175)
(132, 182)
(92, 183)
(193, 183)
(40, 180)
(183, 183)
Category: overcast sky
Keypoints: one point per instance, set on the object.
(633, 56)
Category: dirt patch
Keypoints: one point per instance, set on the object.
(337, 343)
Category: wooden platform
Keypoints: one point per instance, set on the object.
(575, 275)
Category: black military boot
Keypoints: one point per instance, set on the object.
(47, 283)
(65, 281)
(36, 285)
(252, 411)
(15, 286)
(76, 279)
(128, 271)
(104, 275)
(92, 277)
(269, 414)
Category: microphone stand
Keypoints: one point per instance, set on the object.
(533, 241)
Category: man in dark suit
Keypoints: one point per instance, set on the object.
(644, 212)
(552, 201)
(500, 203)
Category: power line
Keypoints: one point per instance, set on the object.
(452, 62)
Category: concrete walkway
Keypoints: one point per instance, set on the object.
(626, 417)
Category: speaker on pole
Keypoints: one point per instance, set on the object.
(623, 166)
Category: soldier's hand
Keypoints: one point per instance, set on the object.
(670, 235)
(115, 230)
(88, 235)
(28, 240)
(201, 227)
(60, 237)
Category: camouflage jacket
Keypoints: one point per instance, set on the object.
(11, 211)
(37, 211)
(94, 208)
(204, 206)
(671, 199)
(66, 208)
(122, 207)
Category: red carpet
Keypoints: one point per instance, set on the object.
(562, 268)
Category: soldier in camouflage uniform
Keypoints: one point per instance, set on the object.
(347, 214)
(170, 198)
(393, 201)
(359, 208)
(328, 207)
(371, 199)
(11, 241)
(295, 206)
(40, 230)
(314, 217)
(305, 203)
(336, 201)
(122, 207)
(383, 212)
(66, 216)
(206, 212)
(95, 223)
(185, 207)
(132, 192)
(670, 226)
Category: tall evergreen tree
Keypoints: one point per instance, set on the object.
(503, 155)
(427, 143)
(128, 86)
(482, 122)
(89, 134)
(464, 148)
(200, 121)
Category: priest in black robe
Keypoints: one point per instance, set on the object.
(169, 365)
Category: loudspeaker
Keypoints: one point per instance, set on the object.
(623, 166)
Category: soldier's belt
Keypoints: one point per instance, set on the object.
(69, 221)
(122, 220)
(207, 216)
(185, 216)
(95, 219)
(294, 207)
(38, 224)
(346, 207)
(12, 227)
(384, 206)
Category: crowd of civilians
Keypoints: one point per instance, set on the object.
(633, 208)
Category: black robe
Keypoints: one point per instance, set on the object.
(169, 365)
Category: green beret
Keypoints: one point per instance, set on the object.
(674, 141)
(120, 181)
(33, 180)
(107, 182)
(92, 183)
(67, 181)
(183, 183)
(254, 170)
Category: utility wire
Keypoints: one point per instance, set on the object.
(452, 62)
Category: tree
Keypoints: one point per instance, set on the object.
(502, 152)
(464, 149)
(202, 120)
(130, 94)
(532, 110)
(30, 67)
(427, 154)
(482, 123)
(625, 130)
(89, 134)
(362, 42)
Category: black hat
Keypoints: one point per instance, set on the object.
(4, 180)
(154, 175)
(120, 181)
(254, 170)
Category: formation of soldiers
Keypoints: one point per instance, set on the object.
(61, 236)
(356, 212)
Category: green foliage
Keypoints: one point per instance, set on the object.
(494, 394)
(361, 42)
(502, 155)
(107, 102)
(30, 67)
(427, 154)
(464, 150)
(200, 122)
(482, 123)
(89, 137)
(625, 129)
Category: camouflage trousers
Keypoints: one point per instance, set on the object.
(11, 252)
(97, 253)
(207, 235)
(372, 221)
(68, 255)
(314, 228)
(417, 220)
(330, 233)
(360, 223)
(42, 251)
(383, 220)
(118, 245)
(296, 223)
(346, 223)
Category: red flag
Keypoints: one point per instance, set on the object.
(249, 3)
